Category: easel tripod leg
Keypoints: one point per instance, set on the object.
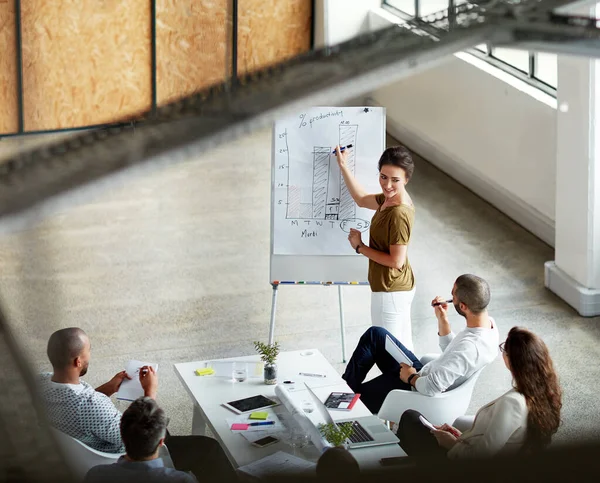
(273, 309)
(342, 323)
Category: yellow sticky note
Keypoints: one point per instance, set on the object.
(262, 415)
(207, 371)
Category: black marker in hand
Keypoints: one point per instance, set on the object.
(435, 304)
(342, 148)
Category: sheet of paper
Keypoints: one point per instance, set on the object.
(278, 464)
(396, 352)
(131, 389)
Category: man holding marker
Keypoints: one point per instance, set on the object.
(463, 354)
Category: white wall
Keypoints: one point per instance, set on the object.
(341, 20)
(495, 138)
(493, 133)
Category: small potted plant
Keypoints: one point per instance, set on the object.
(268, 354)
(336, 434)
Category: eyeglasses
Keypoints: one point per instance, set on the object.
(502, 347)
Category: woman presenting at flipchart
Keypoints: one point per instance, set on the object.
(390, 275)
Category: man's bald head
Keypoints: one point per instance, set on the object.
(65, 345)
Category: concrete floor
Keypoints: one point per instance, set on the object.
(174, 268)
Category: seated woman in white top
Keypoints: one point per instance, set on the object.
(523, 419)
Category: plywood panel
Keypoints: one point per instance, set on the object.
(9, 120)
(270, 31)
(193, 45)
(84, 61)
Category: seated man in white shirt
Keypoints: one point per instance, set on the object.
(87, 414)
(72, 405)
(463, 354)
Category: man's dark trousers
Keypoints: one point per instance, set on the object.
(371, 351)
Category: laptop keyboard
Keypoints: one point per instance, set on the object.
(359, 435)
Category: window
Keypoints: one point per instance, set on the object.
(536, 68)
(421, 8)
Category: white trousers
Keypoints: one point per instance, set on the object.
(391, 310)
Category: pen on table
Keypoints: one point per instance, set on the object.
(310, 374)
(441, 303)
(342, 148)
(262, 423)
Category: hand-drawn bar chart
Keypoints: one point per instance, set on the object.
(347, 206)
(330, 198)
(312, 209)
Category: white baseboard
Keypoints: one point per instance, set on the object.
(585, 300)
(522, 213)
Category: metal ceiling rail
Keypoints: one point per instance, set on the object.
(323, 77)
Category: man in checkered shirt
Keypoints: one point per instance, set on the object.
(76, 408)
(87, 414)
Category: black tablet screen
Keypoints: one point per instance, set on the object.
(250, 403)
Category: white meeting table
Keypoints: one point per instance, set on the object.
(208, 393)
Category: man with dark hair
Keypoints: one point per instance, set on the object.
(463, 354)
(144, 431)
(72, 405)
(337, 464)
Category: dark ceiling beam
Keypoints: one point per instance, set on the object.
(323, 77)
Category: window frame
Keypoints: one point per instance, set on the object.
(488, 56)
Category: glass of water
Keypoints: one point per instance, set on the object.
(239, 373)
(298, 439)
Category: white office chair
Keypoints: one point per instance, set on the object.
(80, 457)
(464, 423)
(439, 409)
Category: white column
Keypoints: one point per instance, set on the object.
(575, 274)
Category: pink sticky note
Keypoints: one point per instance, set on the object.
(239, 427)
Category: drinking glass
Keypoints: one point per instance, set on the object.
(298, 439)
(239, 373)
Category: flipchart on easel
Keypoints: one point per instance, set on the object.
(312, 209)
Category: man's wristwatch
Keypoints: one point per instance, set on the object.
(410, 378)
(357, 247)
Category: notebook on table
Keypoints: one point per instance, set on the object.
(343, 401)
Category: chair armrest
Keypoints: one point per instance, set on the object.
(399, 400)
(427, 358)
(464, 423)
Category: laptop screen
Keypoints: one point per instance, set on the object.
(320, 406)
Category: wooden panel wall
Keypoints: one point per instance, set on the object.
(8, 68)
(193, 45)
(270, 31)
(84, 61)
(88, 62)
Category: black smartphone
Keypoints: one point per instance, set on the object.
(395, 460)
(266, 441)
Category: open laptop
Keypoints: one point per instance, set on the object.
(368, 430)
